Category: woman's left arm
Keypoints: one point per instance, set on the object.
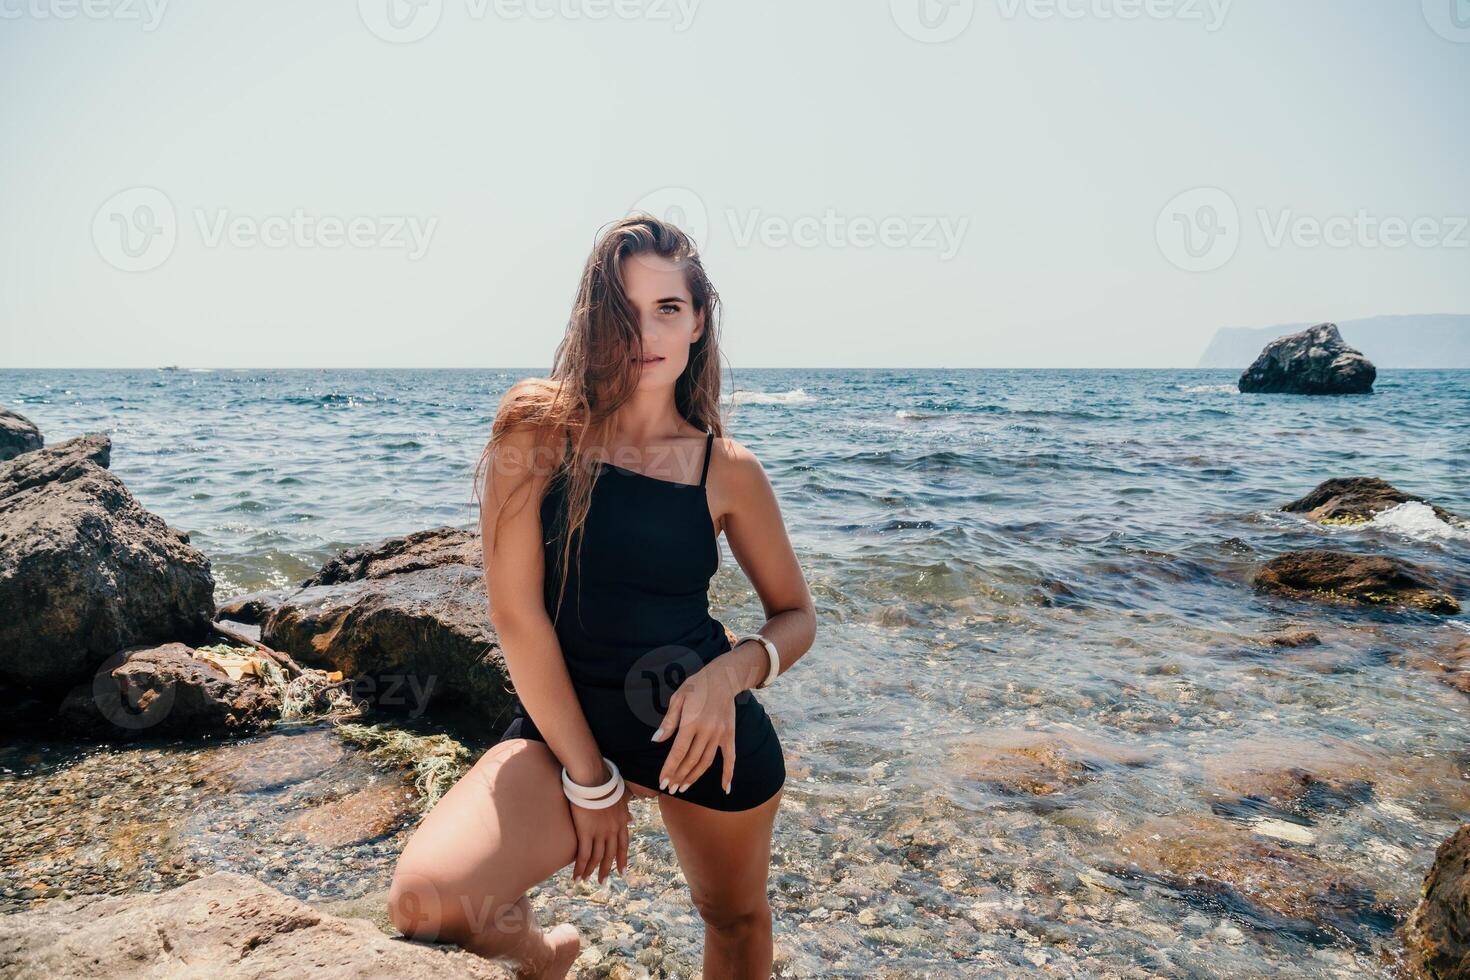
(705, 714)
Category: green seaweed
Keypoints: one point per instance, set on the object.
(438, 761)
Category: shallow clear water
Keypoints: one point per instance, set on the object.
(1039, 707)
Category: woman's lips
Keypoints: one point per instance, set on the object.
(650, 360)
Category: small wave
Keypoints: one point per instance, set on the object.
(1418, 520)
(793, 397)
(1208, 389)
(905, 413)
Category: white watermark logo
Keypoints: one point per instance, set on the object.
(1210, 13)
(1199, 230)
(1450, 19)
(406, 21)
(137, 229)
(932, 21)
(146, 13)
(682, 207)
(1363, 230)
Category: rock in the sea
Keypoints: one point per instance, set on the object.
(166, 690)
(85, 571)
(1338, 576)
(1438, 933)
(18, 434)
(1295, 638)
(1314, 362)
(407, 617)
(1356, 500)
(222, 925)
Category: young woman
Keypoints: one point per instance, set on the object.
(626, 686)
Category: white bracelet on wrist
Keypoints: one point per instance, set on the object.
(588, 796)
(775, 657)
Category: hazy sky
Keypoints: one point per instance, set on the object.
(386, 183)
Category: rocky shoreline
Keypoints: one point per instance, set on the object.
(189, 712)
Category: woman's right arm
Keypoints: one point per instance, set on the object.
(515, 478)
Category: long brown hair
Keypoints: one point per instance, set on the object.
(594, 373)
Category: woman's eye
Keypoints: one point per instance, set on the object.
(669, 308)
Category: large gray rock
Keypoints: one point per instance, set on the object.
(222, 925)
(1438, 933)
(85, 570)
(1313, 362)
(407, 617)
(18, 434)
(1340, 576)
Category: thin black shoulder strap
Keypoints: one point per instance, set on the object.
(708, 445)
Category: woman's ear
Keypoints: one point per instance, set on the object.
(698, 326)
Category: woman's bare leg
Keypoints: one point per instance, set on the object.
(726, 858)
(503, 828)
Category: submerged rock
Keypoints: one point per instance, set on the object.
(1314, 362)
(85, 570)
(407, 617)
(1338, 576)
(225, 925)
(1356, 500)
(253, 608)
(18, 434)
(165, 689)
(1438, 933)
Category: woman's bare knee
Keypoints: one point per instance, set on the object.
(503, 828)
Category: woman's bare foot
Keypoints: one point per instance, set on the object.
(563, 943)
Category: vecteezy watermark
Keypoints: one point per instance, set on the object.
(1199, 230)
(147, 13)
(1210, 13)
(1363, 230)
(932, 21)
(1450, 19)
(406, 21)
(939, 233)
(937, 21)
(137, 229)
(682, 207)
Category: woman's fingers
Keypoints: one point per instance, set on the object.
(698, 760)
(609, 855)
(671, 717)
(674, 765)
(727, 757)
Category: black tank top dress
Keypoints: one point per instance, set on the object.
(634, 624)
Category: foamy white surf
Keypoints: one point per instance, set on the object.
(1210, 389)
(1418, 520)
(792, 397)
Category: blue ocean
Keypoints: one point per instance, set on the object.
(1041, 726)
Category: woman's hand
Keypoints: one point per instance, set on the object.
(602, 838)
(702, 710)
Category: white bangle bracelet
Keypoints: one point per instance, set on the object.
(598, 804)
(775, 666)
(591, 792)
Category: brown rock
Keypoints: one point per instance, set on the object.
(223, 925)
(1338, 576)
(1438, 933)
(166, 690)
(1296, 638)
(357, 817)
(1040, 763)
(1356, 500)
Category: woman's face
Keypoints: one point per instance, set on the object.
(656, 288)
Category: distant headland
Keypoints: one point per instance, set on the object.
(1439, 340)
